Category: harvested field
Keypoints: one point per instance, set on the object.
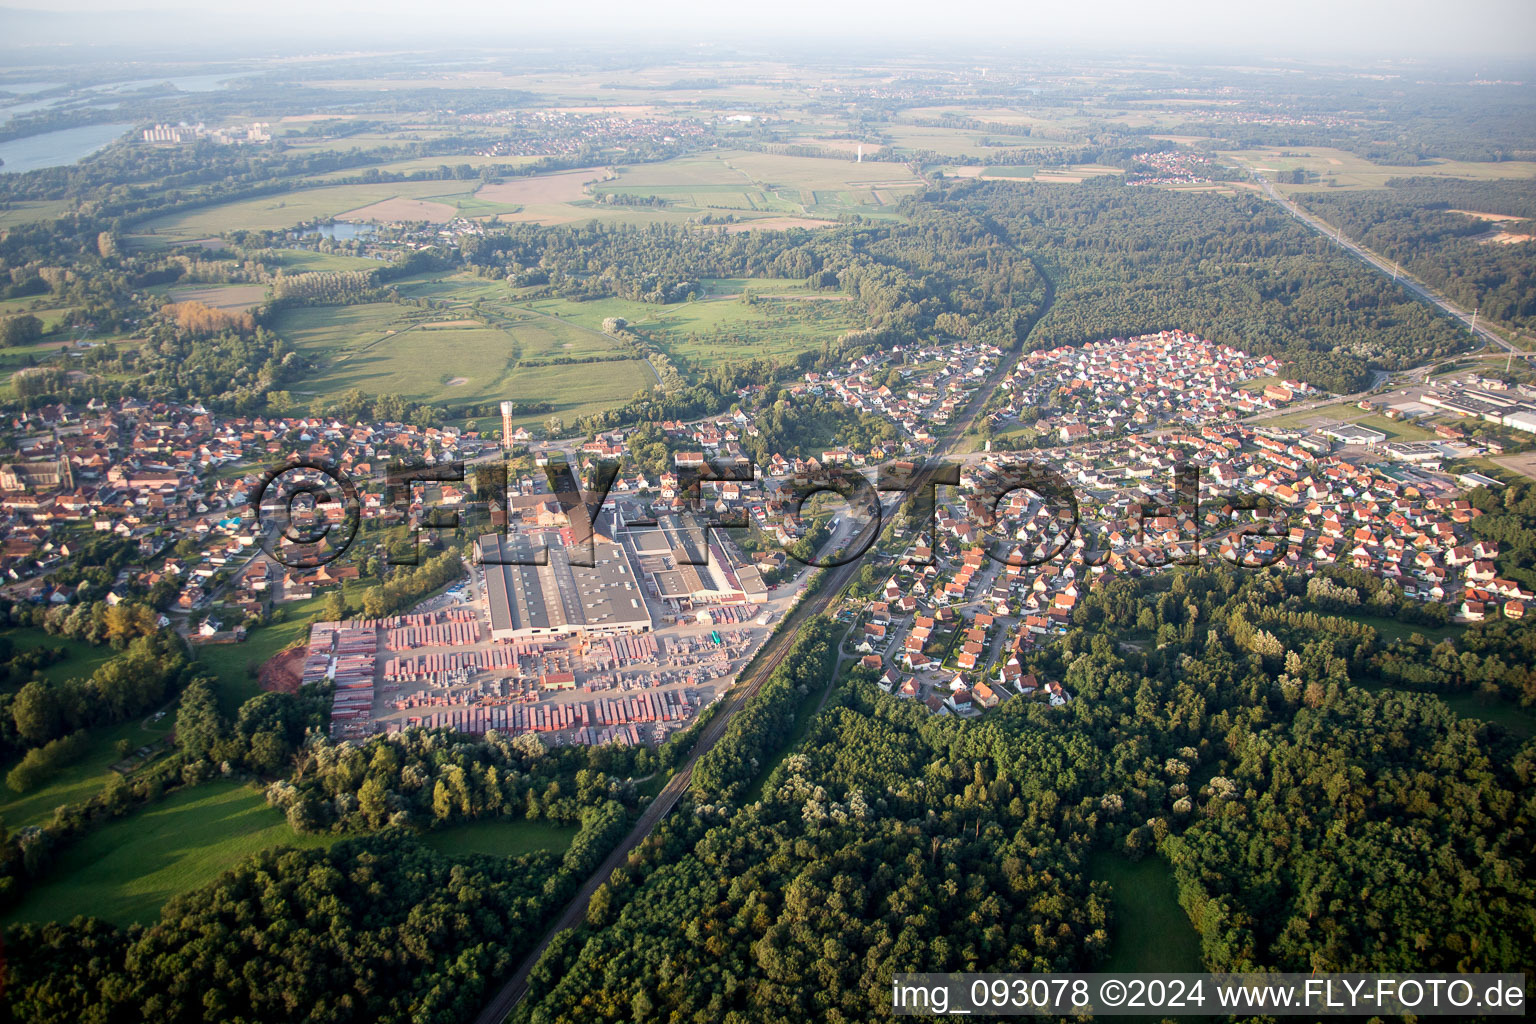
(778, 224)
(564, 187)
(229, 296)
(398, 209)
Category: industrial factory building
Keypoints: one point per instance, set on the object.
(525, 601)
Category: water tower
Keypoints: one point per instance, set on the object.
(507, 409)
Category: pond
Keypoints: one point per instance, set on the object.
(341, 231)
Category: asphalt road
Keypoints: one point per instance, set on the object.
(1387, 267)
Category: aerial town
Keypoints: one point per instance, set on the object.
(632, 647)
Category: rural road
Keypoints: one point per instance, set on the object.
(1386, 267)
(506, 998)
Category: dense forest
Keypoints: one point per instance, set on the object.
(1235, 270)
(376, 929)
(1420, 223)
(1311, 823)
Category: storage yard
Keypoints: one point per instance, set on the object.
(475, 659)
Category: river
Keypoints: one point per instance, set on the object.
(57, 149)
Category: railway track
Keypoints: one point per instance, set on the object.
(770, 658)
(512, 991)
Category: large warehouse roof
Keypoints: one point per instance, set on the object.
(557, 597)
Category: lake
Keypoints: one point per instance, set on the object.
(57, 149)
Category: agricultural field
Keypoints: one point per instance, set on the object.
(952, 142)
(287, 209)
(1340, 169)
(763, 185)
(1070, 174)
(228, 296)
(431, 163)
(125, 871)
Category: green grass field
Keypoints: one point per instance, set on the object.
(1484, 707)
(82, 658)
(383, 348)
(25, 212)
(500, 838)
(1151, 931)
(126, 870)
(506, 352)
(1391, 629)
(40, 306)
(765, 184)
(723, 327)
(955, 141)
(301, 261)
(83, 779)
(1519, 721)
(229, 663)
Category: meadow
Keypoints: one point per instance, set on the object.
(783, 320)
(82, 780)
(81, 658)
(301, 261)
(500, 838)
(36, 305)
(230, 664)
(25, 212)
(288, 209)
(504, 345)
(125, 871)
(384, 348)
(958, 141)
(1151, 932)
(759, 185)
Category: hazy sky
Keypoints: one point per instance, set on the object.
(1383, 28)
